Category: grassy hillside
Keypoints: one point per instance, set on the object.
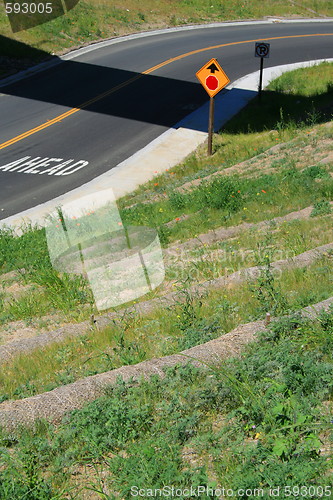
(101, 19)
(262, 201)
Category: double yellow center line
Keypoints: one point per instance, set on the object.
(72, 111)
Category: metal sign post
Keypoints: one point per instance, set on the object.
(213, 79)
(211, 126)
(262, 51)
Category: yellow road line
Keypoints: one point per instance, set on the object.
(133, 79)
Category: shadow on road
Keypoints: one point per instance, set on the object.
(105, 90)
(125, 94)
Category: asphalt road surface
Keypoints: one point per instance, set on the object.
(63, 127)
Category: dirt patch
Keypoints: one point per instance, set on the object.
(327, 160)
(16, 290)
(16, 330)
(11, 275)
(20, 330)
(83, 477)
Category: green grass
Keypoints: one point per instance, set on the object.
(269, 404)
(230, 200)
(192, 320)
(28, 255)
(307, 86)
(282, 241)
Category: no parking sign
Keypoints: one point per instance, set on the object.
(262, 49)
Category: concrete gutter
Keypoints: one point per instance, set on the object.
(166, 151)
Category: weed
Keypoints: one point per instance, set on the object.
(177, 200)
(322, 207)
(313, 116)
(222, 193)
(187, 306)
(199, 333)
(265, 289)
(21, 478)
(26, 307)
(173, 20)
(154, 462)
(164, 234)
(129, 352)
(316, 172)
(106, 358)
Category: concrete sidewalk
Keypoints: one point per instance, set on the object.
(166, 151)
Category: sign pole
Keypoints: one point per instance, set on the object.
(211, 126)
(260, 77)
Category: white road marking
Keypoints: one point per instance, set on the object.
(28, 165)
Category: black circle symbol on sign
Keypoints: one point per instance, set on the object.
(262, 49)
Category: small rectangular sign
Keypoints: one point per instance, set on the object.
(262, 49)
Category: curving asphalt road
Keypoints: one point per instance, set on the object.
(71, 123)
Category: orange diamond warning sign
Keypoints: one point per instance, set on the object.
(212, 77)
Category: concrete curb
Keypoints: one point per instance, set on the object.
(166, 151)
